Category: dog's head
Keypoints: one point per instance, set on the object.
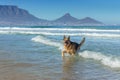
(66, 40)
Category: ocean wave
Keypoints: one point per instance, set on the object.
(106, 35)
(110, 61)
(58, 29)
(55, 32)
(46, 41)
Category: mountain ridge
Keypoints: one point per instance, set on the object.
(90, 20)
(67, 18)
(13, 15)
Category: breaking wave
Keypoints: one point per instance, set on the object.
(59, 29)
(110, 61)
(62, 31)
(107, 60)
(46, 41)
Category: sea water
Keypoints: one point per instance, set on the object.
(34, 53)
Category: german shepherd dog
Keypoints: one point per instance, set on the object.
(71, 47)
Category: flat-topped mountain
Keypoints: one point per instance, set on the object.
(12, 11)
(12, 15)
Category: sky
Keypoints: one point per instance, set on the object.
(106, 11)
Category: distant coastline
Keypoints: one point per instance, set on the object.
(11, 15)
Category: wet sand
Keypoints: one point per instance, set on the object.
(8, 71)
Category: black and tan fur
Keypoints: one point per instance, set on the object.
(71, 47)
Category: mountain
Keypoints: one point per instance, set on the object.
(17, 16)
(67, 18)
(89, 20)
(12, 15)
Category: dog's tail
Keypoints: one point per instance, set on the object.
(81, 43)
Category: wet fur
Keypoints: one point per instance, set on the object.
(71, 47)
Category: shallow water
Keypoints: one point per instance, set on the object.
(38, 56)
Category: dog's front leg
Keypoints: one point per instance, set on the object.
(63, 52)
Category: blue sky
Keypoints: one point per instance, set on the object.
(107, 11)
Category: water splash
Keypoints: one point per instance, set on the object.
(111, 61)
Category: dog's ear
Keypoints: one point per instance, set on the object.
(68, 37)
(64, 37)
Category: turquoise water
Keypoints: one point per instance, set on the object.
(34, 53)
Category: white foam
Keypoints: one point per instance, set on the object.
(46, 41)
(59, 29)
(110, 61)
(79, 34)
(61, 34)
(54, 31)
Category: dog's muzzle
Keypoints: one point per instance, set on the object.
(66, 42)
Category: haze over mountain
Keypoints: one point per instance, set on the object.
(12, 15)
